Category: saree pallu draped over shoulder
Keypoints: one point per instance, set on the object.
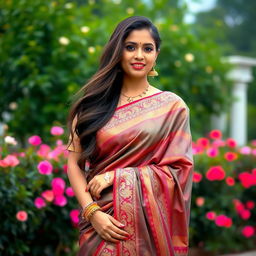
(149, 146)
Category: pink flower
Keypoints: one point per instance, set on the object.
(3, 163)
(250, 205)
(248, 231)
(22, 154)
(200, 201)
(218, 143)
(56, 130)
(215, 134)
(238, 205)
(254, 151)
(70, 192)
(212, 152)
(65, 168)
(74, 215)
(245, 214)
(34, 140)
(245, 150)
(54, 154)
(215, 173)
(231, 143)
(43, 150)
(59, 142)
(211, 215)
(247, 179)
(48, 195)
(9, 160)
(39, 202)
(58, 186)
(60, 200)
(230, 156)
(21, 216)
(197, 177)
(230, 181)
(223, 221)
(45, 167)
(203, 142)
(196, 150)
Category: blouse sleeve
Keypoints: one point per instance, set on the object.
(75, 146)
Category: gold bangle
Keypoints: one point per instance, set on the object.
(92, 212)
(86, 208)
(89, 211)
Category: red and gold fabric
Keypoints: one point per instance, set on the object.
(148, 144)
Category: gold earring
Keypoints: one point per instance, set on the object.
(152, 72)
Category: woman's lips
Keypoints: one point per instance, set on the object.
(138, 66)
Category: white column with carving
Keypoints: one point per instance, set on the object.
(241, 75)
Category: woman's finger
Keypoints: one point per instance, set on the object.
(94, 189)
(119, 231)
(98, 191)
(111, 239)
(115, 221)
(89, 185)
(116, 235)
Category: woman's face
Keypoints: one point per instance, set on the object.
(139, 54)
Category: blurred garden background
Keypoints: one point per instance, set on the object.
(49, 49)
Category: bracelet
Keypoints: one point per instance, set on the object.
(92, 212)
(89, 210)
(84, 209)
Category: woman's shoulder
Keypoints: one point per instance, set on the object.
(174, 98)
(171, 97)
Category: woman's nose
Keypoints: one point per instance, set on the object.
(139, 54)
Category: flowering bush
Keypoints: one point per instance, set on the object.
(223, 202)
(38, 208)
(40, 214)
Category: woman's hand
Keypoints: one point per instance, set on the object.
(108, 227)
(98, 183)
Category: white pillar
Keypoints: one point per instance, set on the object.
(240, 75)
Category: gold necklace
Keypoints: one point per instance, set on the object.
(131, 98)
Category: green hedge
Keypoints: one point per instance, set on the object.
(49, 49)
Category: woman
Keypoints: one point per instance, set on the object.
(130, 159)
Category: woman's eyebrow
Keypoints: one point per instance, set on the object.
(136, 43)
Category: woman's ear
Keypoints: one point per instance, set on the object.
(157, 53)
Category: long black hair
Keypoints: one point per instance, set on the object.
(100, 96)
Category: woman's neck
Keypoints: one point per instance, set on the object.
(132, 86)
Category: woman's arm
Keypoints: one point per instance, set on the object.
(105, 225)
(77, 179)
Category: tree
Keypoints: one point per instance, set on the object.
(233, 23)
(49, 49)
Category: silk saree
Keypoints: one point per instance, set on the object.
(148, 144)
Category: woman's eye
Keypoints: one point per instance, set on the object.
(129, 47)
(148, 49)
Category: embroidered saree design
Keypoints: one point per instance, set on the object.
(149, 146)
